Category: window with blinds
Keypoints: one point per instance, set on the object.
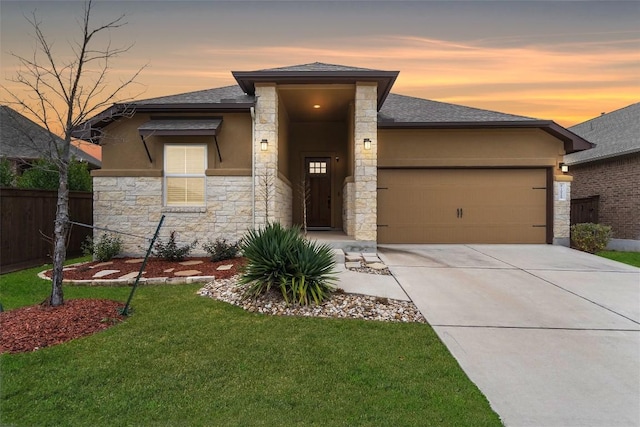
(184, 177)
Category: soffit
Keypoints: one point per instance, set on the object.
(333, 100)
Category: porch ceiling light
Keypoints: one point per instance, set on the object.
(316, 106)
(564, 167)
(367, 144)
(264, 145)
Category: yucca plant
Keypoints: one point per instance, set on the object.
(312, 280)
(282, 258)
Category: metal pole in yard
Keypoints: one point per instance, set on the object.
(125, 311)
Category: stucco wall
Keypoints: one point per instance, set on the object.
(617, 182)
(467, 147)
(134, 205)
(123, 153)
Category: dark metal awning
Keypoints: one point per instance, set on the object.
(180, 127)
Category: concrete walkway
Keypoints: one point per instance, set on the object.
(550, 335)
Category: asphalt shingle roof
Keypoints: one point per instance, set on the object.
(615, 134)
(227, 94)
(317, 67)
(407, 109)
(21, 138)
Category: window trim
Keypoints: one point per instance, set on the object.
(166, 175)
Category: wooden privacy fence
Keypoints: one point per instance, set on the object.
(28, 214)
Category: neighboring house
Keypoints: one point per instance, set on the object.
(606, 179)
(22, 141)
(380, 167)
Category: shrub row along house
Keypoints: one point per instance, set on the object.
(607, 178)
(380, 167)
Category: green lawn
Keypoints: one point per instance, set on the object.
(185, 360)
(631, 258)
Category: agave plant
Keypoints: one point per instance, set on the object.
(282, 258)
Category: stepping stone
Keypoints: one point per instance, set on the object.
(224, 267)
(353, 258)
(371, 259)
(169, 270)
(102, 264)
(128, 276)
(193, 262)
(104, 273)
(366, 254)
(134, 261)
(354, 254)
(352, 264)
(377, 266)
(187, 273)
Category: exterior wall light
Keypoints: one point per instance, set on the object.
(264, 145)
(564, 167)
(367, 144)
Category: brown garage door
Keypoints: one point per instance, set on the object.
(462, 205)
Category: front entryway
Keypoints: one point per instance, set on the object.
(318, 182)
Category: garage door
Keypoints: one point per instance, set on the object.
(462, 205)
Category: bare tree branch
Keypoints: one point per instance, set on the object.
(63, 92)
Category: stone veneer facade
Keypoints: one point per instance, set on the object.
(561, 210)
(365, 192)
(134, 205)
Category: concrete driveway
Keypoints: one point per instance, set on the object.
(549, 334)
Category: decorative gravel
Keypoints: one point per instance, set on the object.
(340, 305)
(364, 268)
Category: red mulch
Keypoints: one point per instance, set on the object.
(155, 268)
(30, 328)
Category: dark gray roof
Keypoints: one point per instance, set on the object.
(205, 126)
(407, 109)
(24, 139)
(221, 95)
(315, 67)
(615, 134)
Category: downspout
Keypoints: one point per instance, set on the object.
(253, 165)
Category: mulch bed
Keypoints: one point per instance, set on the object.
(155, 268)
(31, 328)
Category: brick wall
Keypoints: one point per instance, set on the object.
(617, 182)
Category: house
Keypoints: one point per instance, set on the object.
(606, 179)
(376, 166)
(23, 141)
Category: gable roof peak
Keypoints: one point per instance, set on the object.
(316, 67)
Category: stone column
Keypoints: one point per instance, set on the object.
(562, 209)
(266, 162)
(366, 162)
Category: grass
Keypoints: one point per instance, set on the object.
(631, 258)
(182, 359)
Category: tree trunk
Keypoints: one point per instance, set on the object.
(61, 228)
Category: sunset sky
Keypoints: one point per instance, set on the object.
(567, 61)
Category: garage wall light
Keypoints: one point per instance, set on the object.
(367, 144)
(264, 145)
(564, 167)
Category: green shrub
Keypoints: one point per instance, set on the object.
(7, 176)
(79, 176)
(220, 250)
(589, 237)
(108, 246)
(282, 258)
(171, 251)
(43, 175)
